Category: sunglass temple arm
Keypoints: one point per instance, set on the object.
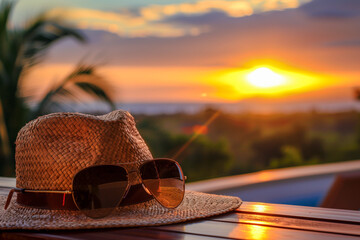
(10, 196)
(22, 190)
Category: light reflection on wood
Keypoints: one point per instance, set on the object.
(259, 208)
(301, 211)
(291, 223)
(248, 231)
(257, 232)
(254, 232)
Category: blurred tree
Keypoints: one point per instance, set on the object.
(291, 156)
(202, 159)
(357, 98)
(205, 159)
(21, 49)
(82, 79)
(272, 146)
(254, 141)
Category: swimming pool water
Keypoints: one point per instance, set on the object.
(308, 191)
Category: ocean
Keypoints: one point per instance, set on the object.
(238, 107)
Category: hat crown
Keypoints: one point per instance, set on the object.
(51, 149)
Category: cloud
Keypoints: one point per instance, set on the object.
(238, 8)
(124, 24)
(346, 43)
(290, 36)
(151, 20)
(332, 9)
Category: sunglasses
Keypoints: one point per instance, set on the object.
(98, 190)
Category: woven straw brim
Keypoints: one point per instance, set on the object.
(194, 206)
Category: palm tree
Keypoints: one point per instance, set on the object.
(82, 79)
(20, 50)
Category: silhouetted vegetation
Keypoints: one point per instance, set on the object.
(242, 143)
(21, 48)
(202, 158)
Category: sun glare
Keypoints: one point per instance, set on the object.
(265, 78)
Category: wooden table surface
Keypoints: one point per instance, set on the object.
(251, 221)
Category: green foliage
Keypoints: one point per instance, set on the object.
(271, 146)
(207, 159)
(291, 156)
(201, 159)
(253, 142)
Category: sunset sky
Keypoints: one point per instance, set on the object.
(209, 50)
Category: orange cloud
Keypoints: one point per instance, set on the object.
(238, 8)
(123, 24)
(147, 22)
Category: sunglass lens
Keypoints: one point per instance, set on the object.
(98, 190)
(164, 179)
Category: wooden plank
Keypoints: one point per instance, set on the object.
(49, 236)
(249, 231)
(113, 234)
(315, 213)
(7, 182)
(204, 230)
(292, 223)
(4, 191)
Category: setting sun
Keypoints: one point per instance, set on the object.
(265, 78)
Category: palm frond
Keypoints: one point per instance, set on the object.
(83, 78)
(96, 91)
(42, 33)
(4, 137)
(20, 48)
(5, 10)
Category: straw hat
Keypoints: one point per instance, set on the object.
(53, 148)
